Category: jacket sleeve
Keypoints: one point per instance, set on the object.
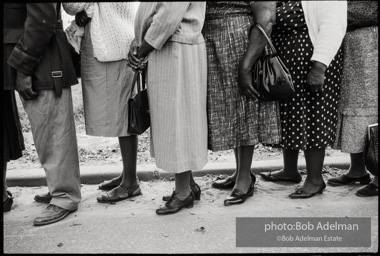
(331, 19)
(39, 28)
(165, 22)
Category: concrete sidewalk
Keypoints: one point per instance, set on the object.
(97, 174)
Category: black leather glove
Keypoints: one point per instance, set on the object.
(81, 19)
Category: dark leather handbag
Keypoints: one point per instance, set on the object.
(371, 150)
(271, 78)
(138, 106)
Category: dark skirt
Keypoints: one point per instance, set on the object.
(13, 141)
(308, 120)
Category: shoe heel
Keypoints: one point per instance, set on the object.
(197, 196)
(250, 194)
(190, 205)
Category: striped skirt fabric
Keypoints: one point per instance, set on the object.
(176, 82)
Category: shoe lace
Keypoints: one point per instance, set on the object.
(171, 199)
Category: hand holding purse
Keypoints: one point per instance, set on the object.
(270, 76)
(138, 106)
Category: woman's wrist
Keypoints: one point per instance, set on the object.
(144, 50)
(318, 66)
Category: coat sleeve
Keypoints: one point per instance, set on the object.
(331, 19)
(39, 28)
(165, 22)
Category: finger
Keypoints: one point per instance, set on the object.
(134, 61)
(256, 92)
(251, 94)
(25, 95)
(30, 94)
(315, 88)
(22, 95)
(133, 66)
(251, 90)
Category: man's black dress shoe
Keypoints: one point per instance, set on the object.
(7, 205)
(300, 194)
(369, 190)
(52, 214)
(196, 190)
(271, 177)
(238, 197)
(228, 182)
(175, 204)
(345, 180)
(43, 198)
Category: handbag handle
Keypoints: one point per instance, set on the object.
(369, 130)
(274, 52)
(138, 79)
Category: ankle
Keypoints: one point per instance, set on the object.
(288, 172)
(356, 172)
(291, 173)
(233, 176)
(129, 183)
(314, 182)
(182, 194)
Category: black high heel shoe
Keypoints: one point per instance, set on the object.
(238, 197)
(227, 182)
(7, 205)
(300, 194)
(196, 190)
(175, 204)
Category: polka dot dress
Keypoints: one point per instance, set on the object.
(308, 120)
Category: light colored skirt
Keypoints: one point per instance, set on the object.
(358, 104)
(106, 90)
(352, 132)
(177, 87)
